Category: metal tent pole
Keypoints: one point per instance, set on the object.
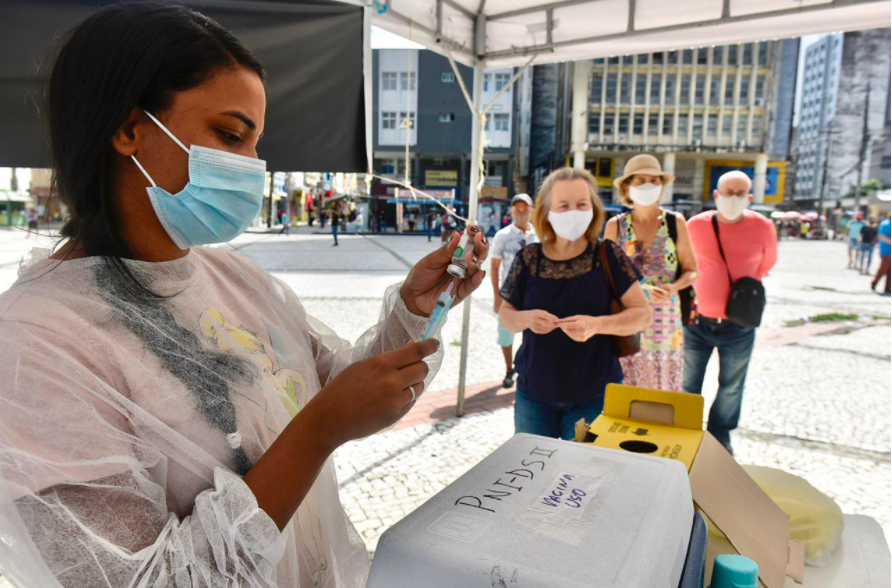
(476, 147)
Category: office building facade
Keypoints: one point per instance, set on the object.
(843, 116)
(703, 111)
(416, 94)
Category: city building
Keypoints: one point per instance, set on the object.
(843, 117)
(703, 110)
(417, 97)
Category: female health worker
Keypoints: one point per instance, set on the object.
(168, 411)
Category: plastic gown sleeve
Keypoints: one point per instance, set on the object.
(396, 327)
(83, 496)
(86, 475)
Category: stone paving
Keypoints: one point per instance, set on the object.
(817, 399)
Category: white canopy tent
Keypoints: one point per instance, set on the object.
(486, 34)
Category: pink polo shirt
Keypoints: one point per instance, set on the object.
(751, 250)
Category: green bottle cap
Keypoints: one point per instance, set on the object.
(734, 571)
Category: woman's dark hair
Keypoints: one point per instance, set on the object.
(137, 54)
(123, 56)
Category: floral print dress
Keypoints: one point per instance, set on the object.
(660, 363)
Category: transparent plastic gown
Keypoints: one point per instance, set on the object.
(127, 421)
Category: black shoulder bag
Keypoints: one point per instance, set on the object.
(687, 298)
(623, 345)
(747, 298)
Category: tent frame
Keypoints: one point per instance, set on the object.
(477, 57)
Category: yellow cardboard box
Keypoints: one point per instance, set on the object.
(670, 425)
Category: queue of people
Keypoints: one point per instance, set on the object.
(672, 281)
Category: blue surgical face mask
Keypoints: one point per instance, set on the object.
(223, 196)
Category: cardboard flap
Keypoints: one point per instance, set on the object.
(796, 561)
(687, 409)
(753, 523)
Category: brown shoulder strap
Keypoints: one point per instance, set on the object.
(607, 273)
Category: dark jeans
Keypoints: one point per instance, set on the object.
(334, 233)
(866, 256)
(553, 419)
(735, 345)
(883, 272)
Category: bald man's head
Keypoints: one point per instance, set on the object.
(734, 183)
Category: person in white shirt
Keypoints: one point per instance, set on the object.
(505, 246)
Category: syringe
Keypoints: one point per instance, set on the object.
(444, 303)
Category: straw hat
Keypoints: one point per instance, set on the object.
(643, 164)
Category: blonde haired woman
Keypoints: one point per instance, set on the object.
(557, 294)
(657, 242)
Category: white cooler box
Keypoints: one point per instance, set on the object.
(541, 512)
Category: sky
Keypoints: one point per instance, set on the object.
(382, 39)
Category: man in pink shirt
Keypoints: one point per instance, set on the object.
(749, 241)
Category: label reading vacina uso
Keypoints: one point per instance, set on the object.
(568, 495)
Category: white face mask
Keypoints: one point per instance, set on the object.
(572, 224)
(732, 207)
(645, 194)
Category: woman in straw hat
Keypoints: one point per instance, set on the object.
(656, 240)
(558, 295)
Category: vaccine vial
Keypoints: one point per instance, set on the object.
(459, 266)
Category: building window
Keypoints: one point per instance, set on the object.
(597, 86)
(638, 124)
(500, 122)
(613, 60)
(702, 56)
(763, 54)
(407, 80)
(487, 78)
(667, 125)
(388, 80)
(698, 126)
(760, 90)
(502, 80)
(744, 97)
(714, 85)
(624, 89)
(623, 124)
(712, 128)
(447, 77)
(672, 57)
(729, 92)
(407, 116)
(732, 55)
(700, 89)
(685, 90)
(718, 56)
(748, 54)
(609, 119)
(611, 88)
(641, 88)
(655, 81)
(657, 58)
(670, 89)
(682, 125)
(629, 59)
(653, 124)
(757, 126)
(741, 128)
(594, 123)
(388, 120)
(688, 56)
(448, 117)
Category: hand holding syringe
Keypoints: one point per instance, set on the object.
(444, 303)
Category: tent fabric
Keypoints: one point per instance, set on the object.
(311, 49)
(653, 25)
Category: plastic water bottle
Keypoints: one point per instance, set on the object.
(734, 571)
